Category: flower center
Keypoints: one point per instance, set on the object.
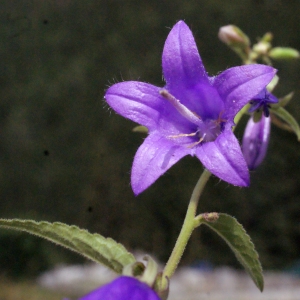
(207, 130)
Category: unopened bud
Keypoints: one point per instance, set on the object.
(268, 37)
(255, 141)
(284, 53)
(262, 48)
(233, 36)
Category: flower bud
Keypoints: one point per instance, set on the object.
(255, 141)
(231, 35)
(262, 48)
(262, 101)
(280, 53)
(268, 37)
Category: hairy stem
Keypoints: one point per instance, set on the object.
(186, 230)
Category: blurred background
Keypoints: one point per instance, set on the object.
(65, 156)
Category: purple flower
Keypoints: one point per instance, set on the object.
(123, 288)
(263, 101)
(255, 141)
(193, 114)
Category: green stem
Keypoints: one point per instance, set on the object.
(186, 230)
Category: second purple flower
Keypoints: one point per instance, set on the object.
(191, 115)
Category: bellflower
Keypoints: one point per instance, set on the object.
(256, 140)
(263, 101)
(191, 115)
(123, 288)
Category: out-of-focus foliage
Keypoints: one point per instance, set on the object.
(64, 156)
(25, 290)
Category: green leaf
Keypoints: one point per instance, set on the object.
(288, 118)
(93, 246)
(230, 230)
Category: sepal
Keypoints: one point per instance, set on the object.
(146, 274)
(271, 86)
(283, 101)
(140, 129)
(289, 120)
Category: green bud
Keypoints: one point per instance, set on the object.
(283, 53)
(231, 35)
(268, 37)
(262, 48)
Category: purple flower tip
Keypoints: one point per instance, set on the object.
(123, 288)
(256, 140)
(191, 115)
(263, 101)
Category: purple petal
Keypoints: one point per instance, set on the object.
(137, 101)
(123, 288)
(272, 99)
(223, 158)
(182, 65)
(267, 96)
(239, 85)
(154, 157)
(255, 141)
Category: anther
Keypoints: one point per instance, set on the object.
(182, 109)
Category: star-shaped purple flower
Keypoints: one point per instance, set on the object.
(263, 101)
(123, 288)
(193, 114)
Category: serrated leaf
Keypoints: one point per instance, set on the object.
(233, 233)
(102, 250)
(288, 118)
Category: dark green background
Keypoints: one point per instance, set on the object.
(65, 156)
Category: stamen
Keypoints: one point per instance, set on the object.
(220, 120)
(183, 110)
(196, 143)
(183, 135)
